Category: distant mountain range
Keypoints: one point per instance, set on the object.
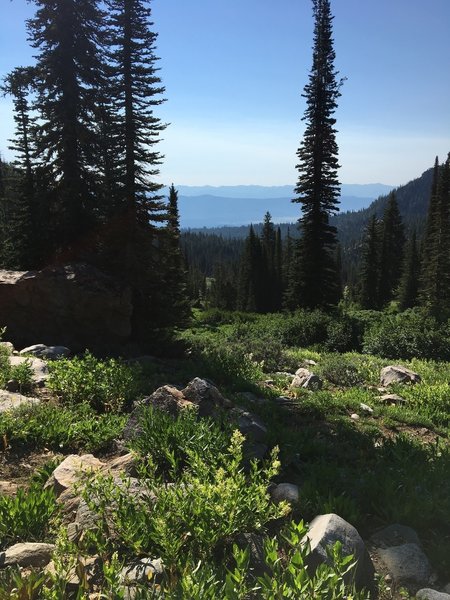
(209, 206)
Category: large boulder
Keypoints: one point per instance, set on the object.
(75, 304)
(398, 374)
(69, 472)
(10, 401)
(325, 531)
(46, 352)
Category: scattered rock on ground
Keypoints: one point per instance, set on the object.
(68, 472)
(38, 367)
(305, 379)
(398, 374)
(391, 399)
(146, 571)
(206, 396)
(285, 491)
(27, 555)
(429, 594)
(46, 352)
(365, 408)
(10, 400)
(394, 535)
(8, 488)
(324, 531)
(407, 564)
(249, 424)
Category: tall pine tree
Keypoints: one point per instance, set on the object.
(409, 282)
(68, 35)
(369, 274)
(318, 186)
(391, 252)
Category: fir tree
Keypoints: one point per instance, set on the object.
(318, 186)
(68, 37)
(250, 294)
(25, 218)
(409, 282)
(177, 304)
(369, 275)
(391, 252)
(137, 90)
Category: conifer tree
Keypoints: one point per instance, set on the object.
(25, 217)
(68, 35)
(409, 282)
(430, 244)
(369, 275)
(318, 187)
(177, 304)
(137, 90)
(251, 275)
(391, 251)
(435, 293)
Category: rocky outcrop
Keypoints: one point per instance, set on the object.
(76, 305)
(11, 401)
(398, 374)
(66, 475)
(46, 352)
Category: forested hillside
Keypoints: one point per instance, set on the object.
(207, 248)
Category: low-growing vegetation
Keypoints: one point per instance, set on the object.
(196, 494)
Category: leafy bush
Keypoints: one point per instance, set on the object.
(191, 518)
(340, 370)
(171, 445)
(408, 335)
(67, 429)
(107, 385)
(26, 517)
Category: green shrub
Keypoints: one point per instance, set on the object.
(66, 429)
(23, 374)
(408, 335)
(107, 385)
(341, 370)
(191, 518)
(26, 516)
(172, 445)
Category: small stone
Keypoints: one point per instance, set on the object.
(354, 417)
(288, 492)
(366, 408)
(307, 380)
(391, 399)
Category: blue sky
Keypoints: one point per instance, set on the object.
(234, 71)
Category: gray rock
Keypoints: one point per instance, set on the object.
(307, 380)
(145, 572)
(285, 491)
(69, 471)
(206, 396)
(365, 408)
(38, 367)
(46, 352)
(27, 555)
(11, 401)
(391, 399)
(324, 531)
(407, 564)
(394, 535)
(398, 374)
(249, 424)
(429, 594)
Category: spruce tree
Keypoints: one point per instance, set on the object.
(369, 274)
(177, 304)
(68, 35)
(318, 187)
(136, 88)
(250, 293)
(25, 216)
(409, 282)
(391, 252)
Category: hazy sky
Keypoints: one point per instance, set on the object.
(234, 72)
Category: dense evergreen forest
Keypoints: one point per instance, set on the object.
(215, 256)
(83, 188)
